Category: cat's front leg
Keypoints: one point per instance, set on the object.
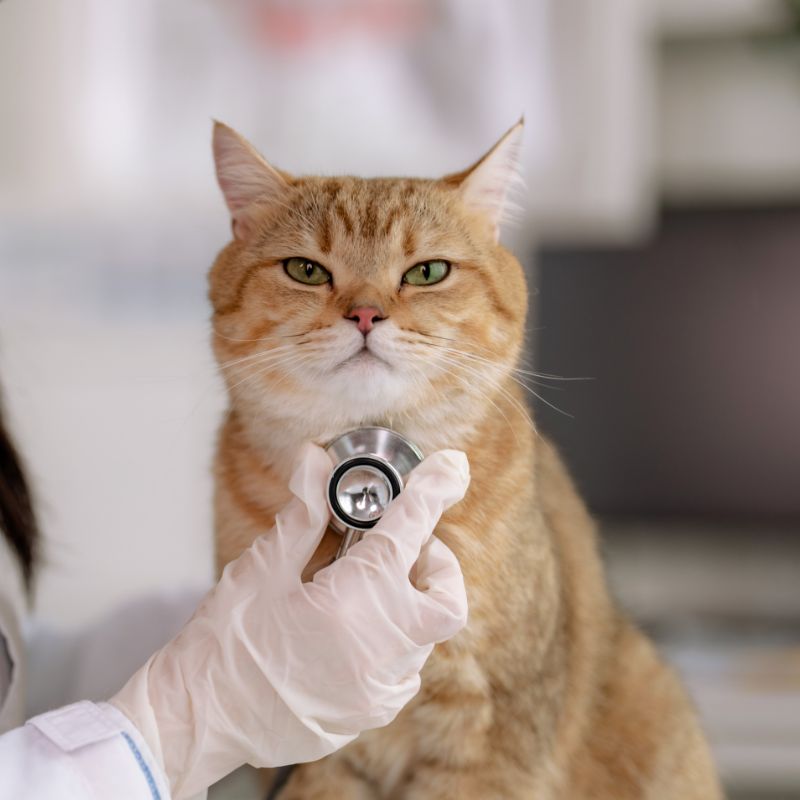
(332, 778)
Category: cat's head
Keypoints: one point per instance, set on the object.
(346, 301)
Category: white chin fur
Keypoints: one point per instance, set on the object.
(366, 387)
(369, 384)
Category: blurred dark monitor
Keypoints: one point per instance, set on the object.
(692, 341)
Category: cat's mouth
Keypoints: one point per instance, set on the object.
(366, 357)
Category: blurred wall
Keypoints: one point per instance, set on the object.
(110, 216)
(691, 343)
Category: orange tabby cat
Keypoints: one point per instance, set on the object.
(344, 302)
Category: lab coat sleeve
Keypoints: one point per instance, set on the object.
(84, 751)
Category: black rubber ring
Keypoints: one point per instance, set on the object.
(346, 466)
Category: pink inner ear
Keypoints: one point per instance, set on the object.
(234, 196)
(486, 186)
(243, 184)
(243, 224)
(243, 176)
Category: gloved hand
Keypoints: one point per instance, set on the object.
(272, 671)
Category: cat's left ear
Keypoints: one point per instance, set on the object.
(247, 181)
(485, 186)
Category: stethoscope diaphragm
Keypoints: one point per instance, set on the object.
(371, 465)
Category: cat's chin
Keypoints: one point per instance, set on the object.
(368, 389)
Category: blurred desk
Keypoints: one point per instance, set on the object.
(723, 602)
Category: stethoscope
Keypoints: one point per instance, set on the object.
(370, 468)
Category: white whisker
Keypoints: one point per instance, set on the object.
(543, 375)
(286, 359)
(502, 369)
(499, 368)
(494, 384)
(224, 365)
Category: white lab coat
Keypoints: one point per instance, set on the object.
(83, 751)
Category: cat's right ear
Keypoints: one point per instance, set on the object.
(246, 179)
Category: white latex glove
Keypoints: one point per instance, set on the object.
(271, 671)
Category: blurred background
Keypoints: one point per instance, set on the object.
(660, 229)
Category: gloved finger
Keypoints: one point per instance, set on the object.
(301, 524)
(442, 596)
(439, 482)
(403, 691)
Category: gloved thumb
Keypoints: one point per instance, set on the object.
(442, 596)
(439, 482)
(299, 527)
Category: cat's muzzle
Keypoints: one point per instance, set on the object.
(371, 465)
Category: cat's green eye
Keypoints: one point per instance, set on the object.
(427, 273)
(304, 270)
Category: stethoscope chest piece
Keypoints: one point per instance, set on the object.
(371, 465)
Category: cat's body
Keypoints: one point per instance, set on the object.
(549, 692)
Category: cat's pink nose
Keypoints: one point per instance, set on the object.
(365, 317)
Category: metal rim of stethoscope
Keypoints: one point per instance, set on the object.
(382, 466)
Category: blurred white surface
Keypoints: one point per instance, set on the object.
(730, 121)
(116, 422)
(110, 102)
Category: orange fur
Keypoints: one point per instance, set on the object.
(549, 692)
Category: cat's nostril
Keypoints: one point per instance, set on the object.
(365, 317)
